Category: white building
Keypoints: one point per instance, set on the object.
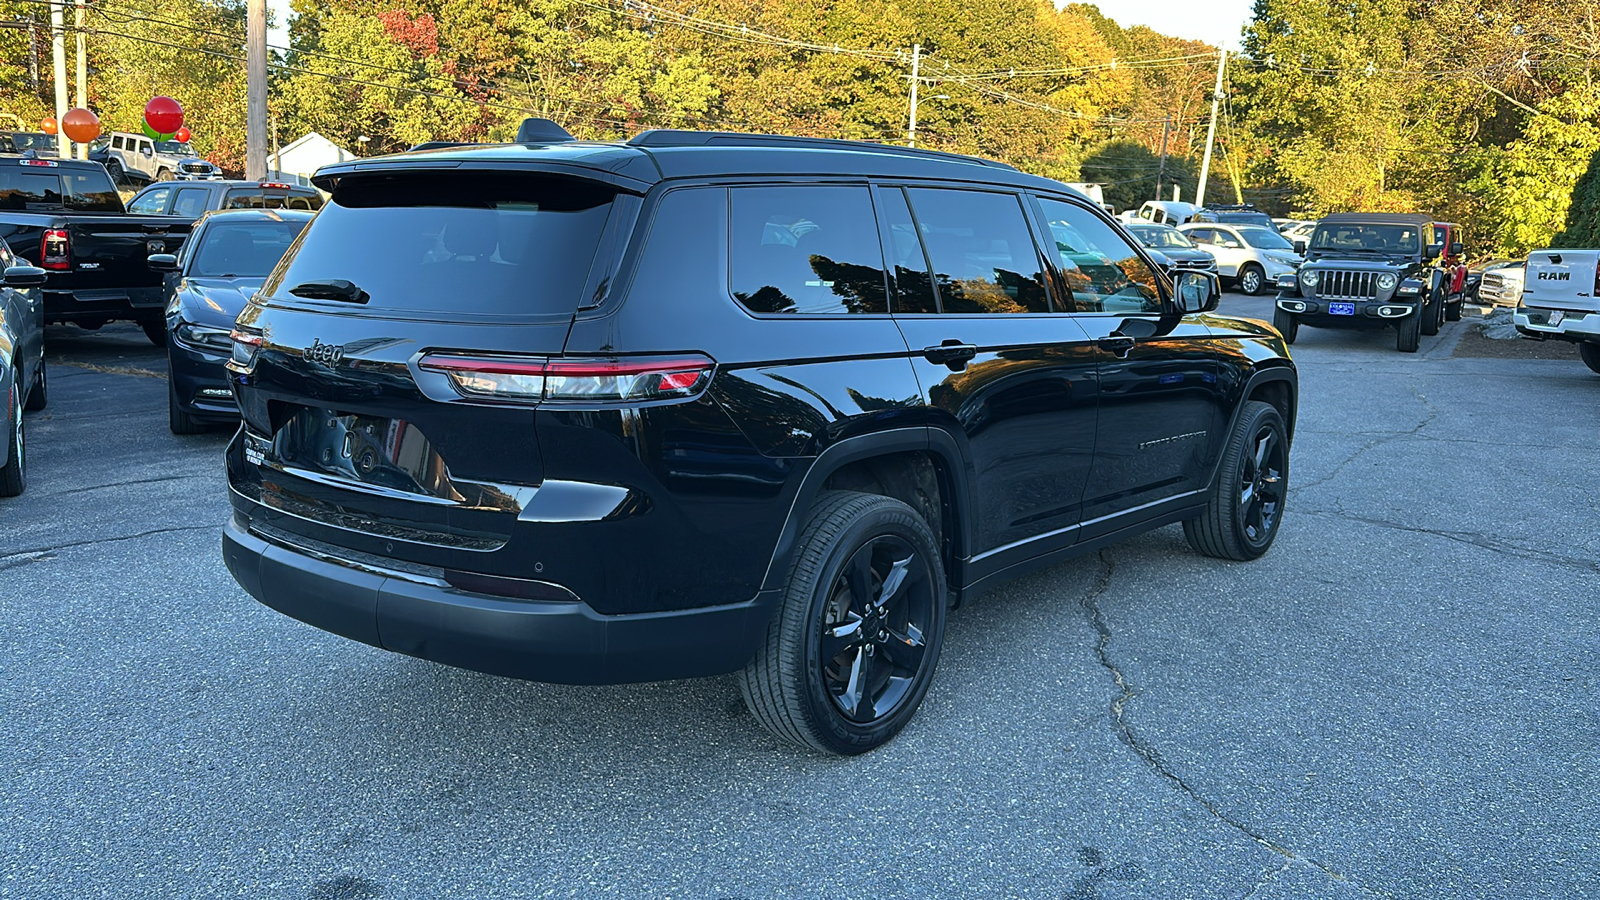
(298, 161)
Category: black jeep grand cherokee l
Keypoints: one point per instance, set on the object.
(708, 403)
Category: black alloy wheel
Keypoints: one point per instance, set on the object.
(1244, 511)
(873, 629)
(852, 649)
(1261, 484)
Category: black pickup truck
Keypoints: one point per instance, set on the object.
(65, 217)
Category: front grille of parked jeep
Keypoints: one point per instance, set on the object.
(1337, 285)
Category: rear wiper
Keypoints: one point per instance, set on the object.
(337, 289)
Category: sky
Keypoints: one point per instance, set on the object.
(1217, 22)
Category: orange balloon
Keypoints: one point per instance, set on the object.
(48, 125)
(81, 125)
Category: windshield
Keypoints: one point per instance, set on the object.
(1264, 238)
(242, 249)
(25, 140)
(1405, 239)
(175, 148)
(1162, 238)
(486, 244)
(77, 190)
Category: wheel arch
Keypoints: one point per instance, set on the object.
(1274, 382)
(903, 463)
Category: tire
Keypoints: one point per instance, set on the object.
(1252, 279)
(1246, 504)
(155, 330)
(851, 539)
(39, 397)
(1408, 332)
(179, 420)
(1452, 311)
(163, 174)
(14, 474)
(1590, 354)
(114, 169)
(1432, 316)
(1287, 323)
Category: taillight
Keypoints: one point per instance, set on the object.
(245, 346)
(572, 380)
(55, 250)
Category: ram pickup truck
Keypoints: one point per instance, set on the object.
(65, 217)
(1561, 301)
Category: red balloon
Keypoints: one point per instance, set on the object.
(182, 135)
(164, 115)
(80, 125)
(48, 125)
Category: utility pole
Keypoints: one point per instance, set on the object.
(83, 72)
(1161, 173)
(916, 62)
(58, 49)
(1211, 132)
(255, 119)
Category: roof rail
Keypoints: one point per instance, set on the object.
(435, 145)
(667, 137)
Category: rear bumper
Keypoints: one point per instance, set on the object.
(1577, 327)
(558, 642)
(102, 303)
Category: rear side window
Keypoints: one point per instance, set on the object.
(806, 250)
(461, 243)
(75, 190)
(983, 254)
(252, 198)
(191, 202)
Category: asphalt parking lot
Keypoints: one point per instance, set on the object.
(1400, 700)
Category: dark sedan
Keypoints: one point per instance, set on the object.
(225, 260)
(22, 378)
(1177, 252)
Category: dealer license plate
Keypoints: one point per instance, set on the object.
(1341, 309)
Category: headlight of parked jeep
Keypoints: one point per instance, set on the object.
(1387, 281)
(1308, 277)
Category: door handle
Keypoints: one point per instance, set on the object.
(951, 353)
(1118, 345)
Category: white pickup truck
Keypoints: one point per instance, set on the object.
(1561, 300)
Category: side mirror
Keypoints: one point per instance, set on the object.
(1196, 292)
(1300, 247)
(1457, 249)
(24, 277)
(162, 262)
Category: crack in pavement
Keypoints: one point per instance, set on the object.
(101, 487)
(1268, 878)
(1125, 733)
(1385, 438)
(115, 370)
(1471, 538)
(33, 554)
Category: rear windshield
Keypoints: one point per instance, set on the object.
(24, 188)
(257, 198)
(242, 249)
(472, 243)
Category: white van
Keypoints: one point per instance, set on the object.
(1561, 300)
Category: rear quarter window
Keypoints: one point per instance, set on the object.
(449, 245)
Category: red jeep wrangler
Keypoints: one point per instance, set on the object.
(1455, 266)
